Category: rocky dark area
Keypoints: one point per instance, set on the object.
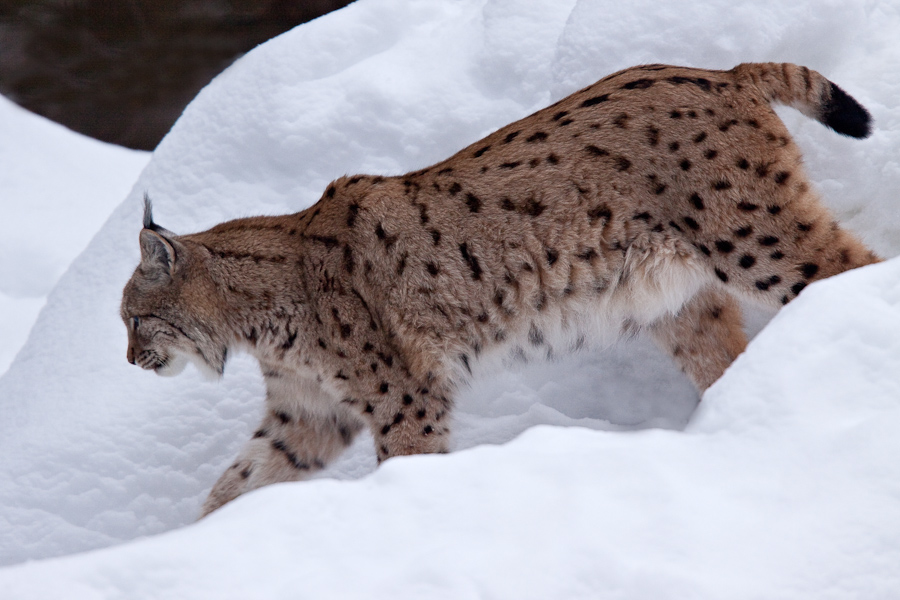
(122, 71)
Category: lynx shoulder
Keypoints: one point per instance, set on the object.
(647, 202)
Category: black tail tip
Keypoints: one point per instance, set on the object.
(845, 115)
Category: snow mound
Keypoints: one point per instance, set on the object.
(782, 484)
(56, 189)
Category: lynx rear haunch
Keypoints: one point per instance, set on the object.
(648, 201)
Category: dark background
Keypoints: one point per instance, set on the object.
(122, 71)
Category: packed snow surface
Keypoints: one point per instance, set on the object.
(593, 477)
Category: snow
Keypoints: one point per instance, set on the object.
(56, 189)
(592, 477)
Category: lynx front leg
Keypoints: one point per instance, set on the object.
(290, 444)
(406, 418)
(704, 337)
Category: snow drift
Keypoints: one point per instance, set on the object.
(783, 484)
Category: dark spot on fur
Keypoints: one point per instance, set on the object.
(724, 246)
(454, 188)
(675, 226)
(685, 165)
(700, 137)
(599, 212)
(639, 84)
(622, 163)
(595, 100)
(481, 151)
(282, 447)
(774, 210)
(704, 249)
(428, 430)
(349, 263)
(721, 185)
(537, 136)
(721, 275)
(330, 191)
(777, 255)
(809, 270)
(743, 164)
(675, 114)
(596, 151)
(697, 201)
(471, 260)
(781, 177)
(674, 146)
(804, 226)
(510, 165)
(768, 240)
(798, 287)
(510, 137)
(727, 125)
(762, 285)
(473, 202)
(552, 159)
(552, 256)
(653, 135)
(432, 269)
(747, 261)
(711, 154)
(560, 115)
(352, 212)
(743, 231)
(587, 255)
(644, 216)
(747, 206)
(436, 236)
(621, 121)
(691, 223)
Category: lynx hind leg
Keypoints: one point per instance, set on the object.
(704, 337)
(285, 447)
(771, 248)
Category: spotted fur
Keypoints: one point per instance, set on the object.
(648, 201)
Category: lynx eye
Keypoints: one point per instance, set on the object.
(135, 321)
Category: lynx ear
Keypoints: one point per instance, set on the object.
(157, 255)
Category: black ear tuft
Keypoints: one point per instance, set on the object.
(845, 115)
(148, 213)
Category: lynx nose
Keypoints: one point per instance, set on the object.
(130, 355)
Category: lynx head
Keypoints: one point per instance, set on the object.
(169, 305)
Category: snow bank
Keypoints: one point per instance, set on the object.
(56, 189)
(781, 487)
(784, 486)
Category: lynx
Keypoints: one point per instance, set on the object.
(649, 201)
